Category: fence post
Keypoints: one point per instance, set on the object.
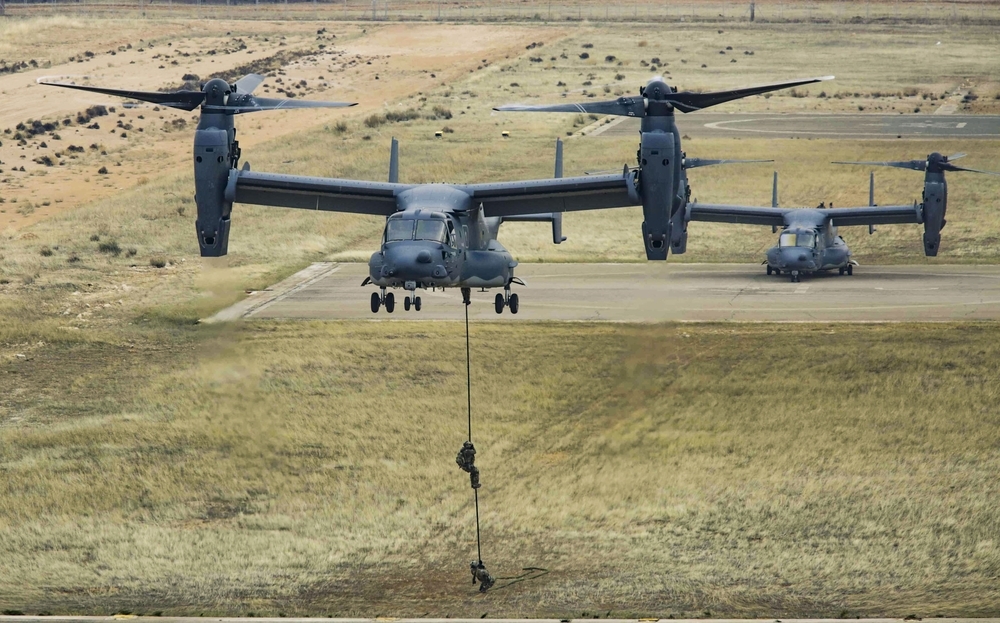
(752, 11)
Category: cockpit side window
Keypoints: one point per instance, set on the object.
(398, 229)
(432, 229)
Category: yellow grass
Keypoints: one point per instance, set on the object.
(306, 468)
(148, 464)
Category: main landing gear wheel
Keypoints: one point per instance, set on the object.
(376, 302)
(769, 269)
(850, 269)
(413, 301)
(506, 300)
(842, 270)
(390, 302)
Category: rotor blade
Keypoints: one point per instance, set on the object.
(951, 167)
(623, 106)
(248, 83)
(692, 163)
(267, 103)
(916, 165)
(185, 100)
(956, 157)
(687, 101)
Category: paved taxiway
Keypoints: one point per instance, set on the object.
(816, 125)
(656, 292)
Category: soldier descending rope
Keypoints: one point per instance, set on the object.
(480, 573)
(466, 460)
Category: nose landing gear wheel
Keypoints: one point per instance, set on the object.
(376, 302)
(406, 304)
(416, 303)
(795, 276)
(498, 303)
(513, 304)
(850, 269)
(769, 269)
(390, 302)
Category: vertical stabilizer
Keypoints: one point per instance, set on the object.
(774, 191)
(559, 158)
(394, 162)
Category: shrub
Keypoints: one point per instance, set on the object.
(103, 170)
(46, 252)
(374, 121)
(584, 55)
(111, 247)
(157, 262)
(131, 252)
(440, 112)
(73, 258)
(340, 127)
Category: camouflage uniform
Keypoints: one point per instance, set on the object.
(466, 461)
(480, 573)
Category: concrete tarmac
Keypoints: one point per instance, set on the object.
(820, 125)
(656, 292)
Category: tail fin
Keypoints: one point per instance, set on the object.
(559, 158)
(774, 199)
(394, 162)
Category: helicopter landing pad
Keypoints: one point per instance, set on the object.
(655, 292)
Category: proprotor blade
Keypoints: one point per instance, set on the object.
(185, 100)
(693, 163)
(248, 83)
(951, 167)
(687, 101)
(266, 103)
(916, 165)
(623, 106)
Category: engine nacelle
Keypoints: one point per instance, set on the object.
(212, 166)
(656, 189)
(935, 205)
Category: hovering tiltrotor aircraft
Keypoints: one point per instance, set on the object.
(809, 241)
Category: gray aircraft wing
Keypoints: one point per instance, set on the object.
(749, 215)
(315, 193)
(563, 194)
(873, 215)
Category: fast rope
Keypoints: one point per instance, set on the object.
(467, 457)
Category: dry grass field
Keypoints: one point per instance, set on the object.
(151, 464)
(307, 468)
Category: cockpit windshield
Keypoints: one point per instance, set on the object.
(398, 229)
(797, 239)
(434, 230)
